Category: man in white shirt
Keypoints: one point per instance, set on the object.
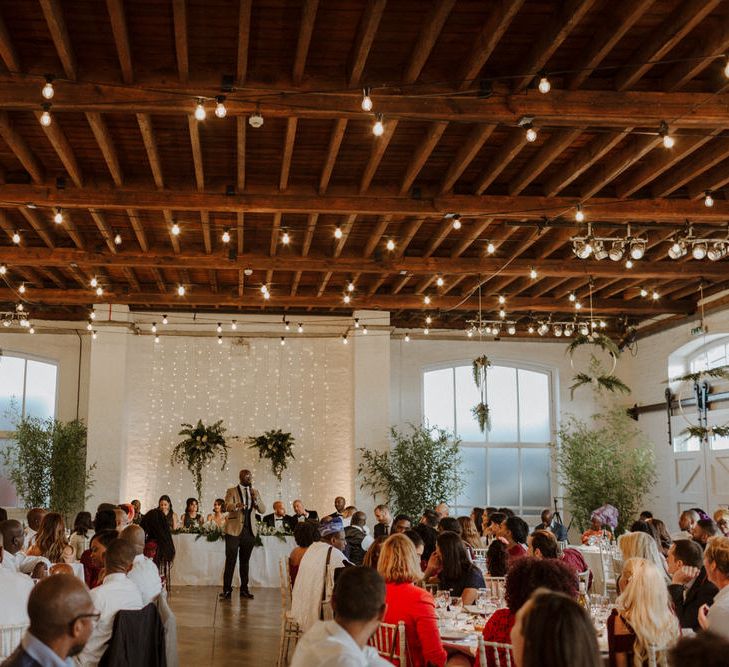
(315, 579)
(16, 588)
(359, 607)
(117, 592)
(144, 572)
(34, 518)
(278, 520)
(11, 538)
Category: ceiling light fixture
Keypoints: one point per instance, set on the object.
(200, 113)
(366, 100)
(663, 131)
(220, 110)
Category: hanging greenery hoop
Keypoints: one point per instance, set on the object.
(480, 411)
(596, 375)
(695, 430)
(276, 446)
(201, 446)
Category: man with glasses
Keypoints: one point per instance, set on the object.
(62, 618)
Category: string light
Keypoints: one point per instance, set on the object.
(175, 229)
(469, 333)
(156, 339)
(99, 290)
(426, 300)
(378, 129)
(338, 233)
(181, 290)
(45, 117)
(346, 298)
(655, 295)
(164, 319)
(544, 85)
(300, 328)
(579, 214)
(267, 296)
(456, 221)
(708, 199)
(533, 273)
(502, 299)
(364, 330)
(93, 335)
(356, 322)
(3, 269)
(285, 238)
(428, 320)
(220, 110)
(502, 313)
(200, 113)
(16, 238)
(628, 263)
(407, 337)
(234, 325)
(283, 341)
(31, 330)
(663, 131)
(426, 331)
(490, 248)
(58, 216)
(439, 281)
(511, 330)
(572, 297)
(48, 91)
(118, 239)
(350, 286)
(390, 245)
(226, 236)
(287, 327)
(643, 292)
(220, 340)
(366, 100)
(219, 328)
(344, 339)
(94, 282)
(578, 305)
(92, 314)
(21, 288)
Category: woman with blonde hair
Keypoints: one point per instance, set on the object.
(721, 516)
(50, 540)
(643, 616)
(469, 532)
(642, 545)
(400, 567)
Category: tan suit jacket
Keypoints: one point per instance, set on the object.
(234, 521)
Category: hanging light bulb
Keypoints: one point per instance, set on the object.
(345, 341)
(350, 286)
(3, 269)
(511, 330)
(655, 295)
(48, 91)
(164, 319)
(533, 273)
(338, 233)
(643, 292)
(31, 330)
(428, 320)
(220, 340)
(426, 300)
(390, 245)
(156, 339)
(502, 299)
(285, 238)
(426, 331)
(16, 238)
(628, 263)
(544, 85)
(603, 324)
(93, 335)
(220, 110)
(58, 216)
(531, 135)
(226, 236)
(407, 337)
(219, 328)
(502, 313)
(267, 296)
(356, 322)
(181, 290)
(99, 290)
(572, 297)
(300, 328)
(94, 282)
(283, 341)
(708, 199)
(21, 288)
(579, 214)
(92, 314)
(45, 117)
(456, 221)
(287, 326)
(578, 305)
(175, 229)
(668, 140)
(118, 239)
(200, 113)
(469, 333)
(490, 248)
(366, 100)
(255, 120)
(20, 307)
(364, 330)
(346, 298)
(378, 129)
(234, 325)
(264, 288)
(439, 281)
(154, 327)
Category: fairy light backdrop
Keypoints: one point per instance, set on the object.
(254, 385)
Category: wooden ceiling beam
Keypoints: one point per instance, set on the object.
(569, 14)
(466, 153)
(179, 19)
(239, 231)
(213, 278)
(54, 276)
(240, 151)
(8, 52)
(106, 144)
(20, 148)
(421, 154)
(687, 15)
(275, 229)
(150, 146)
(408, 233)
(366, 32)
(711, 156)
(306, 29)
(118, 20)
(138, 229)
(55, 135)
(106, 232)
(558, 141)
(376, 236)
(346, 231)
(335, 142)
(615, 23)
(244, 29)
(197, 159)
(159, 281)
(429, 32)
(39, 225)
(205, 224)
(70, 227)
(132, 279)
(169, 221)
(446, 227)
(504, 155)
(473, 233)
(711, 180)
(53, 13)
(288, 152)
(242, 282)
(377, 152)
(713, 41)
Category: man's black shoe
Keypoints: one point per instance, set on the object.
(245, 593)
(225, 595)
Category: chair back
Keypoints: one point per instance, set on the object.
(389, 641)
(284, 583)
(608, 567)
(169, 621)
(10, 636)
(496, 586)
(657, 657)
(137, 638)
(499, 655)
(584, 577)
(479, 554)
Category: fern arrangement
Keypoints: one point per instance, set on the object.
(597, 377)
(480, 411)
(610, 383)
(721, 373)
(276, 446)
(701, 432)
(201, 446)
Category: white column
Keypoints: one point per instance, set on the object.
(107, 413)
(371, 394)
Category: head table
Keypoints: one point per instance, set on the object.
(200, 563)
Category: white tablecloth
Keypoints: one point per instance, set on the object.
(201, 563)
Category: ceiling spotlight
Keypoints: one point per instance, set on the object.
(599, 250)
(530, 329)
(708, 200)
(164, 319)
(637, 249)
(58, 216)
(117, 239)
(579, 214)
(557, 330)
(490, 248)
(668, 140)
(568, 330)
(677, 249)
(366, 100)
(181, 290)
(16, 238)
(285, 238)
(226, 236)
(617, 249)
(426, 300)
(99, 290)
(200, 113)
(47, 91)
(643, 292)
(45, 117)
(175, 229)
(533, 273)
(628, 263)
(338, 233)
(378, 129)
(456, 221)
(439, 281)
(255, 120)
(543, 329)
(220, 110)
(390, 245)
(511, 330)
(584, 330)
(717, 251)
(544, 85)
(94, 282)
(21, 288)
(583, 249)
(699, 250)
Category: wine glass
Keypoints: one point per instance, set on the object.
(442, 599)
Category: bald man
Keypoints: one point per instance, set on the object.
(33, 518)
(144, 572)
(62, 618)
(14, 591)
(122, 519)
(11, 536)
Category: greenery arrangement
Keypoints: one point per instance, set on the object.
(480, 411)
(721, 372)
(422, 469)
(210, 531)
(597, 339)
(605, 460)
(47, 464)
(270, 531)
(609, 382)
(596, 375)
(702, 432)
(201, 446)
(277, 447)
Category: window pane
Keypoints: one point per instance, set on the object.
(474, 475)
(719, 443)
(533, 407)
(467, 396)
(11, 391)
(503, 477)
(40, 390)
(502, 401)
(535, 469)
(683, 444)
(438, 398)
(8, 497)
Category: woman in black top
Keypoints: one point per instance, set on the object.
(191, 517)
(455, 572)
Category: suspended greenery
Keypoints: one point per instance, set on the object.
(600, 340)
(277, 447)
(202, 445)
(421, 469)
(702, 432)
(478, 367)
(482, 416)
(610, 383)
(721, 372)
(480, 411)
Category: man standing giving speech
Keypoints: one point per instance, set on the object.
(241, 503)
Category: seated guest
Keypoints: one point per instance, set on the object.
(137, 507)
(690, 588)
(358, 538)
(419, 545)
(16, 588)
(596, 529)
(703, 531)
(645, 515)
(11, 534)
(192, 517)
(340, 502)
(60, 568)
(104, 520)
(443, 510)
(721, 516)
(349, 510)
(93, 558)
(305, 534)
(497, 559)
(278, 519)
(164, 505)
(642, 616)
(401, 523)
(301, 514)
(117, 592)
(373, 553)
(704, 649)
(494, 525)
(159, 545)
(427, 529)
(315, 579)
(642, 545)
(218, 514)
(477, 517)
(450, 524)
(716, 562)
(557, 528)
(407, 602)
(50, 540)
(515, 531)
(144, 572)
(358, 602)
(664, 539)
(453, 570)
(62, 619)
(543, 544)
(79, 539)
(469, 534)
(686, 522)
(540, 642)
(525, 576)
(384, 520)
(121, 519)
(33, 520)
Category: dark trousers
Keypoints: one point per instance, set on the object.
(240, 547)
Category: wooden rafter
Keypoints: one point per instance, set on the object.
(473, 233)
(20, 148)
(179, 17)
(288, 152)
(306, 29)
(377, 152)
(39, 225)
(712, 42)
(466, 153)
(240, 152)
(197, 160)
(244, 28)
(7, 49)
(53, 13)
(369, 23)
(422, 153)
(713, 179)
(506, 153)
(335, 142)
(432, 26)
(376, 236)
(711, 156)
(63, 149)
(118, 21)
(106, 144)
(138, 228)
(104, 228)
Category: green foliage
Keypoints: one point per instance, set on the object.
(47, 464)
(421, 469)
(277, 447)
(605, 460)
(202, 445)
(482, 415)
(700, 432)
(478, 367)
(598, 339)
(721, 372)
(610, 383)
(480, 411)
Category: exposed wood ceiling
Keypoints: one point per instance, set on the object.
(124, 154)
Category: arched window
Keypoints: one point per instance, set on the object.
(509, 465)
